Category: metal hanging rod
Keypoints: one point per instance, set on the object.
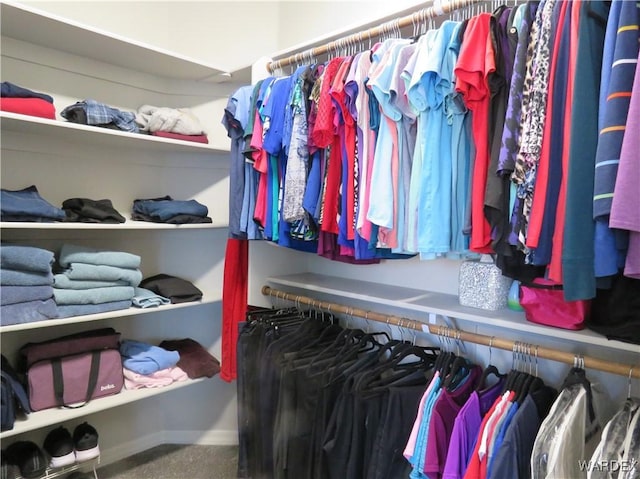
(437, 10)
(629, 370)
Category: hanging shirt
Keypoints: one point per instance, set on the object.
(626, 191)
(383, 205)
(298, 156)
(434, 202)
(475, 63)
(622, 39)
(578, 272)
(465, 430)
(412, 75)
(549, 173)
(235, 119)
(442, 421)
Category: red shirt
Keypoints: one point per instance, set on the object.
(475, 63)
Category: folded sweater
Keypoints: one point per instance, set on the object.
(145, 358)
(175, 120)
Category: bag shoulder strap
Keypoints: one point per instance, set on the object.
(58, 380)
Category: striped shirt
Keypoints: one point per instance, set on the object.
(624, 45)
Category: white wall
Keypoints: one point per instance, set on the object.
(301, 21)
(225, 33)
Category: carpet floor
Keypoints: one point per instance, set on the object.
(176, 461)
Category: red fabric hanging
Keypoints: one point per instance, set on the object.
(234, 302)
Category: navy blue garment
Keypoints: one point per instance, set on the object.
(28, 205)
(164, 208)
(11, 90)
(542, 254)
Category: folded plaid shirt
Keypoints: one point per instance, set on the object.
(101, 114)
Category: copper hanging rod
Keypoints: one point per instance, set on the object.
(438, 9)
(492, 341)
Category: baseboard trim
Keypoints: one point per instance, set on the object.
(140, 444)
(208, 438)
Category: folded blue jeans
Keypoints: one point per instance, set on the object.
(28, 203)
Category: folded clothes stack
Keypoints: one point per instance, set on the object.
(177, 290)
(94, 113)
(85, 210)
(28, 205)
(167, 210)
(147, 366)
(17, 99)
(175, 123)
(26, 278)
(95, 281)
(195, 360)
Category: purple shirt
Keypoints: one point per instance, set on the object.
(625, 213)
(443, 417)
(465, 430)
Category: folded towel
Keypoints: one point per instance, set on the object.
(25, 258)
(69, 310)
(62, 281)
(176, 120)
(28, 312)
(195, 360)
(143, 298)
(92, 296)
(161, 378)
(70, 253)
(144, 358)
(22, 294)
(12, 277)
(178, 290)
(103, 273)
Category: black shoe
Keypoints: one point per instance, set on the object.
(28, 457)
(9, 470)
(85, 440)
(59, 445)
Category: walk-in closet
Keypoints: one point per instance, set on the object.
(334, 239)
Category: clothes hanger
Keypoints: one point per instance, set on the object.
(489, 370)
(578, 375)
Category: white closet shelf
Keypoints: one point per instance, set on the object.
(42, 28)
(128, 225)
(96, 136)
(100, 316)
(425, 302)
(49, 417)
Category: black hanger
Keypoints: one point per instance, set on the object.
(488, 371)
(456, 373)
